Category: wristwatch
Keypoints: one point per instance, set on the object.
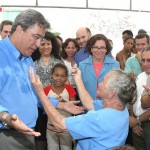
(138, 120)
(4, 121)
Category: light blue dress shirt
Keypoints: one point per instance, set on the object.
(17, 95)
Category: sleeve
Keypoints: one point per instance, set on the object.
(53, 100)
(2, 109)
(84, 126)
(71, 90)
(98, 104)
(47, 89)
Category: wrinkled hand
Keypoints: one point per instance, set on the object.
(35, 80)
(71, 107)
(17, 124)
(137, 130)
(76, 72)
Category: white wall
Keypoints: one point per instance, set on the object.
(109, 22)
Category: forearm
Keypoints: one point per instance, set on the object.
(145, 101)
(54, 116)
(85, 97)
(145, 116)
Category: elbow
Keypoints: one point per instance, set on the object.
(144, 105)
(60, 125)
(145, 101)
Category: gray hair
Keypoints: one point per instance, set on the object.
(29, 18)
(124, 85)
(145, 49)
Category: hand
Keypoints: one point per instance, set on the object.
(35, 80)
(71, 107)
(137, 130)
(147, 88)
(17, 124)
(133, 122)
(76, 72)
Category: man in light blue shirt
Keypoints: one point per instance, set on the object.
(18, 100)
(106, 124)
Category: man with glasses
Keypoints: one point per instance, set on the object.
(5, 28)
(18, 100)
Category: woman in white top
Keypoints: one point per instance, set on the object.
(69, 49)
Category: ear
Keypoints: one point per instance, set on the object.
(19, 29)
(112, 94)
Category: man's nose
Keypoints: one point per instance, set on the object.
(38, 42)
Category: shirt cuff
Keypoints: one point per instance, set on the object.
(54, 101)
(2, 109)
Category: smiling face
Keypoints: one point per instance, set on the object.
(99, 50)
(45, 48)
(71, 49)
(27, 41)
(59, 76)
(82, 37)
(141, 43)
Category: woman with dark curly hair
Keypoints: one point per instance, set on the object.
(98, 64)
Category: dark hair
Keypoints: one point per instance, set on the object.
(55, 47)
(65, 44)
(59, 65)
(88, 30)
(29, 18)
(95, 38)
(58, 37)
(142, 35)
(129, 32)
(141, 31)
(129, 37)
(5, 22)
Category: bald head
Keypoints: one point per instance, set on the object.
(83, 34)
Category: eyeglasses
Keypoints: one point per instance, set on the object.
(102, 48)
(38, 37)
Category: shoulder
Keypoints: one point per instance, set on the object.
(142, 75)
(132, 58)
(47, 89)
(110, 61)
(69, 87)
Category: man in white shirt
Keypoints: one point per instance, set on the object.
(140, 117)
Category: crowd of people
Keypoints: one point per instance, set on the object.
(72, 94)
